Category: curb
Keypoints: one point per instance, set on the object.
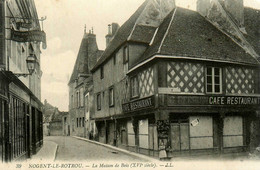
(144, 157)
(41, 156)
(55, 154)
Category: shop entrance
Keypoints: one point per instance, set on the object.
(180, 135)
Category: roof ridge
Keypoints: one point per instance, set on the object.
(166, 33)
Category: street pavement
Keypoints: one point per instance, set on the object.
(72, 149)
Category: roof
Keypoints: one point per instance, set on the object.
(80, 64)
(191, 35)
(121, 36)
(85, 61)
(142, 34)
(252, 25)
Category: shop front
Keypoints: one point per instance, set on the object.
(198, 125)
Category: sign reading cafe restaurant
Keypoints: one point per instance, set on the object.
(212, 100)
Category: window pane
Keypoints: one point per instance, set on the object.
(217, 71)
(217, 88)
(209, 88)
(209, 71)
(217, 80)
(209, 79)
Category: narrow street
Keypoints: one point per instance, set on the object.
(71, 149)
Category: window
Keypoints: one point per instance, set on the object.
(71, 102)
(134, 86)
(214, 80)
(101, 72)
(83, 122)
(125, 54)
(111, 97)
(86, 103)
(78, 99)
(81, 97)
(77, 122)
(98, 101)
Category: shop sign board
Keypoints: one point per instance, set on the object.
(140, 104)
(174, 100)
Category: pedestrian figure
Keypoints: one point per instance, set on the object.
(162, 151)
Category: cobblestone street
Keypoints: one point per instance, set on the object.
(71, 149)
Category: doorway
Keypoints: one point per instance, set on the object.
(180, 140)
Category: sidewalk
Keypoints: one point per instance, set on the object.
(46, 153)
(134, 154)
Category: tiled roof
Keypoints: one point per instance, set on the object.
(191, 35)
(81, 65)
(142, 33)
(121, 36)
(252, 25)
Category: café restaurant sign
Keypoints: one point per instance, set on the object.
(138, 104)
(212, 100)
(29, 36)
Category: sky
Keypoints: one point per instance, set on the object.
(64, 28)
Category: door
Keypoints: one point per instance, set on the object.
(180, 136)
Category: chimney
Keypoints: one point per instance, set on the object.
(112, 29)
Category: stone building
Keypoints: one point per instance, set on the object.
(80, 86)
(20, 80)
(182, 81)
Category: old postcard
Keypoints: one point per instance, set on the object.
(129, 84)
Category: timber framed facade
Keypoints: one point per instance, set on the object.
(183, 91)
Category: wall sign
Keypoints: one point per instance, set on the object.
(212, 100)
(139, 104)
(29, 36)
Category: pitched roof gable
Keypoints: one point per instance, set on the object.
(191, 35)
(121, 36)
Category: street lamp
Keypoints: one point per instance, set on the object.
(31, 64)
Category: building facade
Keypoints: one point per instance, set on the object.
(21, 115)
(80, 87)
(182, 81)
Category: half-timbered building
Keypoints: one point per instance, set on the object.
(180, 80)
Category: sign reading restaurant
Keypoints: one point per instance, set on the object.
(138, 104)
(212, 100)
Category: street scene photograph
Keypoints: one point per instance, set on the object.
(129, 84)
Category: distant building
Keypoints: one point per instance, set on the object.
(181, 81)
(57, 124)
(54, 121)
(20, 94)
(80, 86)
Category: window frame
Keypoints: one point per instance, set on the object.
(125, 54)
(213, 82)
(98, 101)
(134, 81)
(111, 100)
